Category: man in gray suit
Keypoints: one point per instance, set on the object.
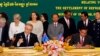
(55, 29)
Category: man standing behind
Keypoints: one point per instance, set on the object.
(84, 22)
(68, 23)
(55, 29)
(26, 38)
(3, 31)
(95, 30)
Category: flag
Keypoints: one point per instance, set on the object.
(60, 37)
(45, 38)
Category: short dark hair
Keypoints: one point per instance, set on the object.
(67, 11)
(83, 28)
(85, 13)
(55, 14)
(4, 15)
(45, 16)
(38, 17)
(98, 11)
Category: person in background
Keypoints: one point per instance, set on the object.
(81, 39)
(4, 28)
(84, 22)
(95, 30)
(68, 23)
(44, 19)
(37, 25)
(26, 38)
(16, 27)
(55, 29)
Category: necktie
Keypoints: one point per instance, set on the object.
(27, 40)
(68, 23)
(85, 23)
(55, 25)
(81, 40)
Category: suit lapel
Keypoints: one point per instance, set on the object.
(30, 38)
(57, 25)
(82, 22)
(70, 23)
(85, 39)
(24, 38)
(53, 25)
(23, 35)
(89, 22)
(65, 23)
(78, 39)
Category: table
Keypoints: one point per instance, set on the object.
(31, 52)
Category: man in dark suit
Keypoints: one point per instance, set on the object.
(84, 22)
(81, 39)
(26, 38)
(4, 27)
(95, 30)
(68, 23)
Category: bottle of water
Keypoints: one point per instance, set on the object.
(3, 44)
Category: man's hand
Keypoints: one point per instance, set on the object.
(13, 39)
(67, 39)
(87, 46)
(20, 40)
(78, 45)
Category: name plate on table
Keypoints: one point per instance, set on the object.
(29, 47)
(85, 48)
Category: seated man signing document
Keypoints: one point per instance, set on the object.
(81, 39)
(25, 38)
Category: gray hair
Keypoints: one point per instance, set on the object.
(29, 25)
(17, 15)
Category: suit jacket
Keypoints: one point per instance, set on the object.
(81, 24)
(55, 31)
(33, 39)
(76, 39)
(68, 31)
(95, 33)
(4, 36)
(45, 26)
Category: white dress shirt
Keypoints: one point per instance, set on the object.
(82, 38)
(15, 29)
(55, 24)
(98, 21)
(86, 22)
(67, 21)
(27, 37)
(0, 34)
(37, 29)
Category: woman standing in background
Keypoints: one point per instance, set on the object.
(44, 19)
(37, 25)
(16, 27)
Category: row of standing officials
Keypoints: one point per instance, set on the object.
(64, 25)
